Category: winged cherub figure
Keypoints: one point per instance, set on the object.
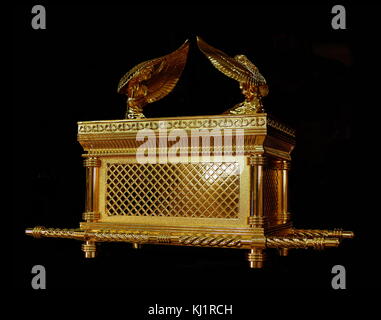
(152, 80)
(252, 83)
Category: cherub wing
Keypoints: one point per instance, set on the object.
(163, 74)
(229, 66)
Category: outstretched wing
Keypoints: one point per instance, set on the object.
(164, 72)
(227, 65)
(258, 78)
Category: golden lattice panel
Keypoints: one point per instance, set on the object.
(194, 190)
(270, 186)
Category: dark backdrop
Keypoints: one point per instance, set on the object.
(319, 83)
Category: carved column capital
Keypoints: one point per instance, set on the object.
(91, 162)
(257, 159)
(282, 165)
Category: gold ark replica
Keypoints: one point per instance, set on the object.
(157, 181)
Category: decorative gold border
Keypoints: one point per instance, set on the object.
(187, 123)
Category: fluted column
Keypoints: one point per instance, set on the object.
(256, 218)
(282, 214)
(91, 213)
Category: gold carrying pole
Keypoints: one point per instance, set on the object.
(292, 240)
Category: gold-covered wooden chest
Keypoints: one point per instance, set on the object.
(214, 181)
(210, 181)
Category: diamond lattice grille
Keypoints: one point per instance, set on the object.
(198, 190)
(270, 177)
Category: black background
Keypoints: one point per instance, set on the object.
(319, 81)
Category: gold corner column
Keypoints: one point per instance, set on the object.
(91, 213)
(256, 219)
(283, 167)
